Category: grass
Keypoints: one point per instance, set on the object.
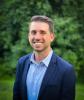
(79, 92)
(6, 90)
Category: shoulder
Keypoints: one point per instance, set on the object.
(24, 58)
(64, 68)
(21, 63)
(61, 63)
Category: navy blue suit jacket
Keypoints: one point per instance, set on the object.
(58, 82)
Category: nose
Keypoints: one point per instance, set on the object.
(38, 36)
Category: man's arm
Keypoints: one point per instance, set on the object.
(68, 85)
(16, 88)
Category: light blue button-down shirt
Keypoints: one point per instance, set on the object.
(35, 76)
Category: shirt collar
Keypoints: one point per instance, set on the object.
(44, 61)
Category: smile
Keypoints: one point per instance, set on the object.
(37, 42)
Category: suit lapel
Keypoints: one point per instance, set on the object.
(49, 73)
(24, 88)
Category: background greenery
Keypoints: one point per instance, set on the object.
(68, 18)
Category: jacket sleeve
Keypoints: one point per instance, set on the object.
(17, 83)
(68, 85)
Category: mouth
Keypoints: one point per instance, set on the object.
(37, 42)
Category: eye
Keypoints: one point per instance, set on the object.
(33, 32)
(42, 32)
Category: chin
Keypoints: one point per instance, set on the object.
(38, 50)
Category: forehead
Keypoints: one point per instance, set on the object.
(38, 25)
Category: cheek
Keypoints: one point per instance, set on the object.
(30, 39)
(49, 38)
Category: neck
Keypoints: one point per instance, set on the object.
(41, 55)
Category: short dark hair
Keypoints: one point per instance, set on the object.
(44, 19)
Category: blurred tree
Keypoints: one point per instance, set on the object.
(56, 6)
(68, 16)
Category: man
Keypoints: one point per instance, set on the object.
(42, 75)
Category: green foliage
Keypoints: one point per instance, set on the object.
(79, 92)
(6, 89)
(69, 29)
(66, 30)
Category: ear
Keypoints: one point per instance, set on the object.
(52, 37)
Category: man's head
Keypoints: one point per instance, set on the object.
(44, 19)
(41, 33)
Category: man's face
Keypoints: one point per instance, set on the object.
(39, 36)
